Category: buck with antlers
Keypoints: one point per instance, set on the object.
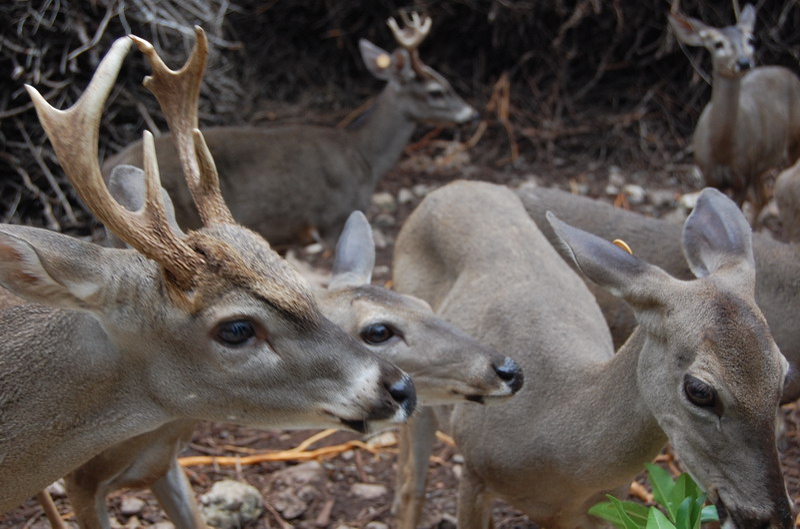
(212, 324)
(701, 370)
(752, 123)
(286, 182)
(447, 365)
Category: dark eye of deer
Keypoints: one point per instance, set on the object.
(235, 332)
(436, 94)
(376, 333)
(699, 393)
(719, 45)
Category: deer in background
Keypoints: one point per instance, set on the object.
(447, 365)
(287, 182)
(752, 123)
(659, 242)
(587, 419)
(212, 324)
(787, 198)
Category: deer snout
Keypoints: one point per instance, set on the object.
(780, 516)
(743, 64)
(510, 373)
(403, 394)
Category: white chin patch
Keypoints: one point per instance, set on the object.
(464, 114)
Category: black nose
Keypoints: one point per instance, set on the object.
(510, 373)
(743, 63)
(404, 394)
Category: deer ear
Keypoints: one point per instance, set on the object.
(716, 236)
(378, 61)
(126, 185)
(747, 18)
(608, 265)
(687, 29)
(355, 254)
(52, 269)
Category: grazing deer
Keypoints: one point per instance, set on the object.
(659, 242)
(286, 182)
(752, 123)
(447, 365)
(212, 324)
(701, 370)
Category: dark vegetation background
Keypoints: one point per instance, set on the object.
(556, 79)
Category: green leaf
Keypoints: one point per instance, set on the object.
(610, 512)
(627, 521)
(697, 511)
(683, 514)
(657, 520)
(709, 514)
(662, 487)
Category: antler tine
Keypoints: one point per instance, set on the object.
(411, 36)
(177, 93)
(74, 134)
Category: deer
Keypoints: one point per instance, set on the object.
(446, 364)
(299, 183)
(659, 241)
(752, 123)
(787, 198)
(700, 371)
(214, 325)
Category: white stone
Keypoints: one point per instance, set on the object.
(405, 196)
(635, 193)
(231, 504)
(384, 201)
(368, 491)
(131, 505)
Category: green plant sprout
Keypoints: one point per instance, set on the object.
(681, 500)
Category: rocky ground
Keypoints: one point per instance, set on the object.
(354, 486)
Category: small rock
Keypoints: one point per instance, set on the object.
(379, 238)
(635, 193)
(421, 190)
(308, 473)
(689, 200)
(615, 176)
(163, 525)
(312, 249)
(458, 459)
(288, 504)
(662, 197)
(368, 491)
(384, 201)
(231, 504)
(612, 190)
(458, 470)
(405, 196)
(384, 220)
(379, 271)
(131, 506)
(376, 525)
(447, 522)
(57, 490)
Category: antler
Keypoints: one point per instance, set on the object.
(177, 93)
(74, 135)
(411, 36)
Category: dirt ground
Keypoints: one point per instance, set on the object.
(335, 498)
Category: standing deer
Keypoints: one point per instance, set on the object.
(212, 324)
(447, 365)
(701, 370)
(659, 242)
(286, 182)
(752, 123)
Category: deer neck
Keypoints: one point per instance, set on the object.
(629, 430)
(385, 132)
(724, 115)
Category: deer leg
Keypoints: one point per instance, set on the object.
(473, 503)
(88, 499)
(175, 495)
(416, 445)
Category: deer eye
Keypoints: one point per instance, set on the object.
(376, 333)
(699, 393)
(436, 93)
(235, 332)
(718, 45)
